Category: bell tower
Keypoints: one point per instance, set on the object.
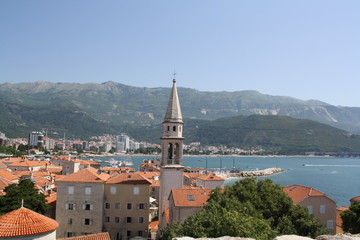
(171, 169)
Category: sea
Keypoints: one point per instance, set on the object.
(339, 178)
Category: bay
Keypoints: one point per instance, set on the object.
(339, 178)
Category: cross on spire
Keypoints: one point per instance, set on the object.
(174, 79)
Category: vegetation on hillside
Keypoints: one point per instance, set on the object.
(249, 209)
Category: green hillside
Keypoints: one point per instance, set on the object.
(277, 134)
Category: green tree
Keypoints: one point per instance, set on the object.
(351, 219)
(26, 191)
(249, 208)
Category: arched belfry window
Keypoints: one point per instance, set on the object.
(168, 128)
(174, 128)
(176, 153)
(170, 153)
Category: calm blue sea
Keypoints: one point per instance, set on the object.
(339, 178)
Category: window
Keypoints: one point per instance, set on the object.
(70, 206)
(70, 221)
(87, 207)
(322, 209)
(117, 219)
(70, 234)
(107, 219)
(113, 190)
(190, 197)
(129, 206)
(174, 128)
(70, 189)
(168, 128)
(140, 233)
(107, 205)
(153, 189)
(117, 205)
(87, 221)
(128, 219)
(136, 190)
(87, 190)
(330, 224)
(141, 219)
(310, 208)
(128, 233)
(141, 205)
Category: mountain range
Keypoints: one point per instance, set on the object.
(89, 109)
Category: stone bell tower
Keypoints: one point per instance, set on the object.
(171, 169)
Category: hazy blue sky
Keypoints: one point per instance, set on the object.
(305, 49)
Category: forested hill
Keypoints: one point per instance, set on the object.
(89, 109)
(275, 134)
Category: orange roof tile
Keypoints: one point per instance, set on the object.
(23, 221)
(3, 184)
(2, 166)
(149, 175)
(110, 169)
(7, 174)
(355, 199)
(190, 197)
(27, 163)
(96, 236)
(210, 177)
(52, 198)
(299, 193)
(85, 175)
(128, 178)
(338, 217)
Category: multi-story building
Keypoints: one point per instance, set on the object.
(36, 139)
(80, 203)
(318, 203)
(126, 206)
(123, 143)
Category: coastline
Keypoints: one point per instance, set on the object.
(256, 173)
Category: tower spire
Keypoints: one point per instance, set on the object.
(173, 112)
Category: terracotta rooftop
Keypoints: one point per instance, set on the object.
(338, 217)
(85, 175)
(210, 177)
(2, 166)
(355, 199)
(299, 193)
(128, 178)
(27, 163)
(97, 236)
(4, 182)
(190, 197)
(23, 221)
(7, 174)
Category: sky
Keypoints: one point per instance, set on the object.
(305, 49)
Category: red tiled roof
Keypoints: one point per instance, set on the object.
(85, 175)
(27, 163)
(210, 177)
(299, 193)
(8, 175)
(128, 178)
(338, 217)
(2, 166)
(182, 197)
(355, 199)
(4, 182)
(96, 236)
(23, 221)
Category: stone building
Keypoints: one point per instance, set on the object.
(126, 206)
(171, 169)
(80, 201)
